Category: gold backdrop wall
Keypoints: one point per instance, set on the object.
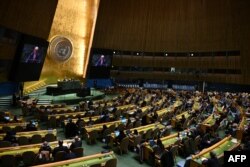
(74, 20)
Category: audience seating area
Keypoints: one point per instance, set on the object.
(159, 126)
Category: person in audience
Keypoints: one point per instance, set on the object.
(60, 147)
(15, 119)
(104, 127)
(70, 129)
(246, 146)
(76, 143)
(90, 122)
(231, 130)
(138, 113)
(121, 136)
(183, 119)
(212, 161)
(10, 137)
(154, 117)
(70, 155)
(167, 159)
(31, 126)
(128, 124)
(105, 117)
(207, 139)
(79, 124)
(45, 151)
(136, 133)
(144, 120)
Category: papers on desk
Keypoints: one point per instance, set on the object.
(203, 159)
(234, 140)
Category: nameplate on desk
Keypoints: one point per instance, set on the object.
(50, 131)
(234, 158)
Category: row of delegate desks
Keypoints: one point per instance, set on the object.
(74, 114)
(100, 158)
(99, 127)
(31, 133)
(124, 107)
(143, 129)
(196, 106)
(11, 117)
(209, 122)
(58, 110)
(166, 141)
(86, 119)
(169, 109)
(226, 144)
(19, 150)
(13, 125)
(178, 117)
(50, 106)
(143, 109)
(66, 115)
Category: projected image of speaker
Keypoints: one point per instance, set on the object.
(100, 63)
(29, 58)
(33, 53)
(101, 60)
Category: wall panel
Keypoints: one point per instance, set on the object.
(178, 26)
(28, 16)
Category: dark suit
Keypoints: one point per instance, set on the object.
(167, 159)
(70, 130)
(76, 144)
(212, 162)
(120, 137)
(59, 148)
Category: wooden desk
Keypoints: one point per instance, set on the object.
(13, 125)
(11, 117)
(164, 111)
(227, 144)
(124, 107)
(58, 110)
(19, 150)
(66, 115)
(31, 133)
(99, 127)
(178, 117)
(144, 110)
(83, 161)
(208, 123)
(51, 105)
(196, 106)
(240, 128)
(167, 110)
(86, 119)
(166, 141)
(177, 103)
(143, 129)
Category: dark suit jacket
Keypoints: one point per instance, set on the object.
(167, 159)
(213, 162)
(76, 144)
(59, 148)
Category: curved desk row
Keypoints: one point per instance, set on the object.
(84, 161)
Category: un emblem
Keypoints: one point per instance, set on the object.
(60, 48)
